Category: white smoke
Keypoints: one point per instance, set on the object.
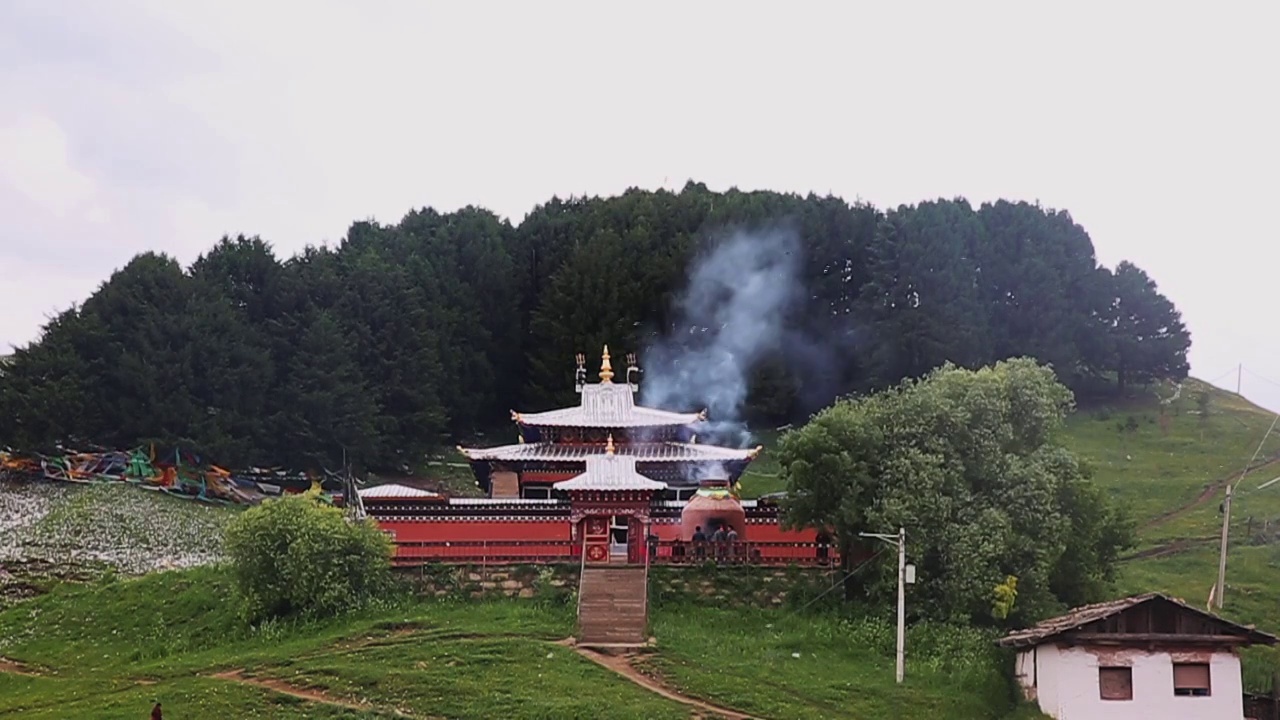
(731, 315)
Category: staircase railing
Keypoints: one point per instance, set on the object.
(644, 589)
(582, 575)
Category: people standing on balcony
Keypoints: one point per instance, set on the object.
(731, 539)
(699, 542)
(721, 539)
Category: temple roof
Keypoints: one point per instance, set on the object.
(610, 472)
(394, 490)
(642, 452)
(608, 405)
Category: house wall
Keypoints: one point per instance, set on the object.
(1065, 681)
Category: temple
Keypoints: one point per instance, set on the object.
(607, 481)
(557, 445)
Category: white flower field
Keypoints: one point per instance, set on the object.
(54, 530)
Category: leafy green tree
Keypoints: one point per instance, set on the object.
(327, 413)
(922, 295)
(1149, 340)
(965, 460)
(297, 556)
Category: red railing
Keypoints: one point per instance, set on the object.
(675, 552)
(666, 552)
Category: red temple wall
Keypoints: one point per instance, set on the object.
(477, 530)
(519, 540)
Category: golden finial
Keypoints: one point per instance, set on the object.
(608, 447)
(753, 452)
(606, 369)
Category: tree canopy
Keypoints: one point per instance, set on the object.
(966, 462)
(409, 336)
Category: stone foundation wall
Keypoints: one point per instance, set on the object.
(739, 585)
(525, 581)
(734, 585)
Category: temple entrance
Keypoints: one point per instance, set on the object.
(618, 538)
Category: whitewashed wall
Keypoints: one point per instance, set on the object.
(1064, 682)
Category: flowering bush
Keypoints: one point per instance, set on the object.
(296, 556)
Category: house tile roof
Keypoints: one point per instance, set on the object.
(610, 472)
(393, 490)
(642, 452)
(608, 405)
(1088, 614)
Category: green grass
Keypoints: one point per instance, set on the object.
(96, 645)
(93, 644)
(787, 665)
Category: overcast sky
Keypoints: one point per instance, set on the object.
(164, 124)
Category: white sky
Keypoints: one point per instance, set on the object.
(153, 124)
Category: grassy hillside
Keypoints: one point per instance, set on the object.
(107, 650)
(1172, 475)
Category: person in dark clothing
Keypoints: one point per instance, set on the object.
(718, 539)
(698, 535)
(699, 542)
(156, 714)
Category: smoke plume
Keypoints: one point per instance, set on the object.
(732, 314)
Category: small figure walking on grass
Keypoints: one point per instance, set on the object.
(155, 713)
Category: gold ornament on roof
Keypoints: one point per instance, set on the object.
(608, 447)
(606, 369)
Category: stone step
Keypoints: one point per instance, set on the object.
(612, 608)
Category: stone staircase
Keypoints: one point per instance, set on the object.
(613, 607)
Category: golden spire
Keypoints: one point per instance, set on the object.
(608, 447)
(606, 369)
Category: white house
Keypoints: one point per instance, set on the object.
(1148, 656)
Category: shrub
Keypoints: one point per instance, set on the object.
(298, 557)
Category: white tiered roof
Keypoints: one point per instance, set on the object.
(610, 472)
(643, 452)
(607, 405)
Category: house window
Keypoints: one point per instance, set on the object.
(1115, 683)
(1191, 679)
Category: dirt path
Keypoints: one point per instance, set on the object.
(284, 688)
(1209, 493)
(13, 667)
(1166, 549)
(621, 664)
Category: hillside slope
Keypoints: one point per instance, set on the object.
(107, 650)
(1168, 462)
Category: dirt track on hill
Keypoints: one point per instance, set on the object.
(1208, 493)
(284, 688)
(621, 664)
(13, 667)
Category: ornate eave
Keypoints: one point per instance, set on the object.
(642, 452)
(607, 405)
(610, 472)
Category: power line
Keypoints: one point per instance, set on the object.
(842, 580)
(1263, 379)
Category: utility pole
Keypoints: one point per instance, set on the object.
(1239, 377)
(901, 541)
(1222, 557)
(902, 603)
